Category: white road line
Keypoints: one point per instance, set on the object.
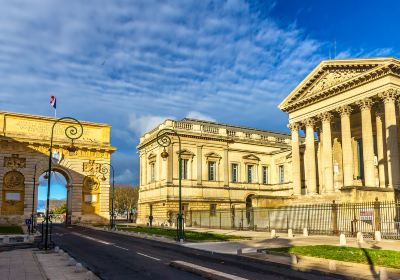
(92, 238)
(126, 249)
(148, 256)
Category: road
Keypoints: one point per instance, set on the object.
(115, 256)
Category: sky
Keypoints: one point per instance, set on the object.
(134, 63)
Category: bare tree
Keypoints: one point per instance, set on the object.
(125, 199)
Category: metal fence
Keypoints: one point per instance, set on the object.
(319, 219)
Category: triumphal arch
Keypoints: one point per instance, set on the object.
(24, 154)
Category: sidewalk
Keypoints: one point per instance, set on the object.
(20, 265)
(263, 240)
(32, 264)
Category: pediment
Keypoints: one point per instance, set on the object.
(212, 155)
(332, 76)
(251, 157)
(186, 153)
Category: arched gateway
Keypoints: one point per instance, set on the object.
(24, 152)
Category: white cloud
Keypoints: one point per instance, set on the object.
(143, 124)
(200, 116)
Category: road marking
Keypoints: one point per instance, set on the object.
(126, 249)
(92, 238)
(148, 256)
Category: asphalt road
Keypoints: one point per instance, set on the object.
(115, 256)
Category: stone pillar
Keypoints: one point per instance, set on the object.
(381, 146)
(392, 147)
(296, 168)
(199, 164)
(169, 165)
(367, 142)
(327, 161)
(347, 145)
(311, 174)
(226, 168)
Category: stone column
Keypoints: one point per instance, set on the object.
(296, 168)
(367, 142)
(311, 174)
(381, 146)
(347, 145)
(327, 161)
(169, 165)
(199, 164)
(392, 147)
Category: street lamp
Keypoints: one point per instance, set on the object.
(164, 140)
(73, 131)
(110, 170)
(33, 194)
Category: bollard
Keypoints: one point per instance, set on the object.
(26, 238)
(332, 265)
(290, 233)
(78, 267)
(383, 273)
(378, 236)
(71, 262)
(61, 252)
(65, 256)
(305, 232)
(181, 241)
(239, 251)
(293, 259)
(360, 238)
(89, 275)
(273, 233)
(342, 239)
(56, 249)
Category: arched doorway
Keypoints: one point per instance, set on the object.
(60, 196)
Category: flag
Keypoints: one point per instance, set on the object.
(53, 103)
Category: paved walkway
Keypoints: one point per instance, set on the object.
(263, 240)
(20, 265)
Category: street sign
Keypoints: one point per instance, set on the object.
(28, 221)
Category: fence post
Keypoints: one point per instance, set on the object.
(232, 217)
(191, 218)
(377, 215)
(335, 228)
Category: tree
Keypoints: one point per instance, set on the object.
(125, 199)
(60, 210)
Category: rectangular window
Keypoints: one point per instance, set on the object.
(250, 173)
(184, 172)
(152, 172)
(281, 174)
(211, 171)
(213, 209)
(265, 175)
(235, 172)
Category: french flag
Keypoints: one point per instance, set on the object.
(53, 103)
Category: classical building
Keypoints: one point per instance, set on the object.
(223, 166)
(348, 112)
(24, 153)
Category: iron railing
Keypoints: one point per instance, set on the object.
(318, 219)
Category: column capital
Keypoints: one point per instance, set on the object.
(294, 126)
(365, 104)
(325, 117)
(309, 122)
(344, 110)
(389, 96)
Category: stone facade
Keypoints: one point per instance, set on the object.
(24, 148)
(223, 166)
(348, 112)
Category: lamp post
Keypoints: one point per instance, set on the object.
(104, 170)
(73, 131)
(33, 194)
(164, 140)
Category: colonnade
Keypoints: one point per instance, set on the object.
(382, 107)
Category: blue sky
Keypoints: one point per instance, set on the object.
(58, 188)
(134, 63)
